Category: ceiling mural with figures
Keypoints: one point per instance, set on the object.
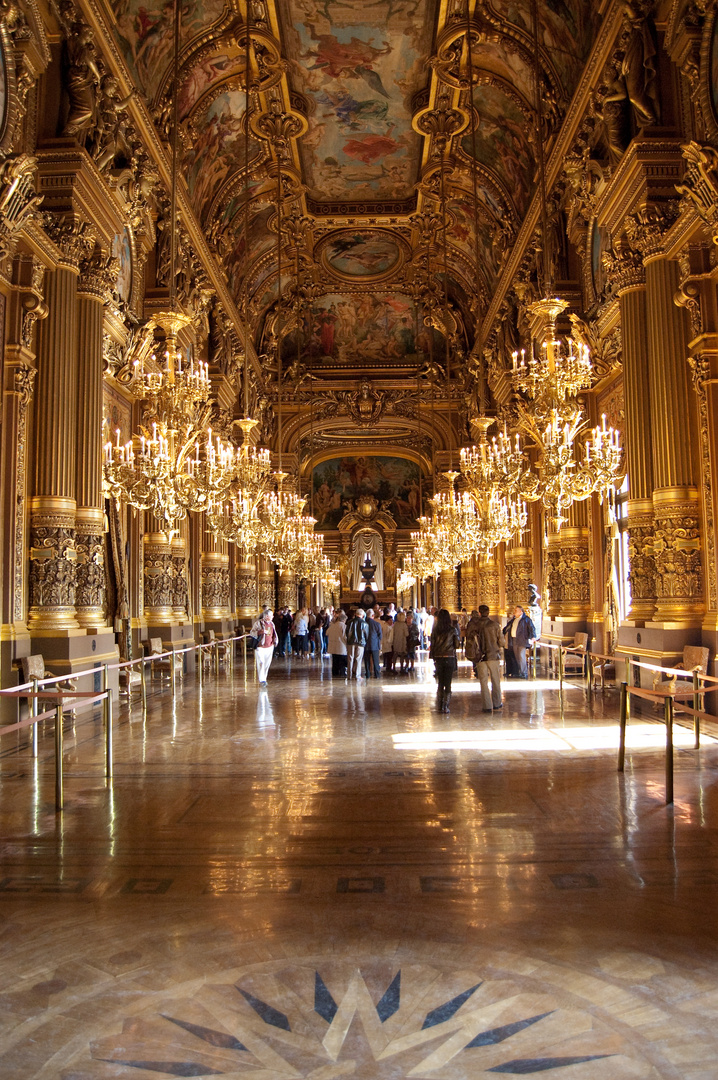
(368, 107)
(359, 66)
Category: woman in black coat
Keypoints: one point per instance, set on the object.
(444, 643)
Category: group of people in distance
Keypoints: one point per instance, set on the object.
(361, 640)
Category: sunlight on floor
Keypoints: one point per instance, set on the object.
(638, 737)
(463, 686)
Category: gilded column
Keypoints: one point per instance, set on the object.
(489, 586)
(266, 583)
(519, 568)
(638, 435)
(157, 578)
(468, 584)
(570, 581)
(180, 588)
(287, 590)
(53, 551)
(90, 594)
(215, 578)
(676, 501)
(246, 583)
(448, 591)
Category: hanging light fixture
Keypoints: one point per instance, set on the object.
(550, 374)
(173, 464)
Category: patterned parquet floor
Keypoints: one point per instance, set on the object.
(328, 879)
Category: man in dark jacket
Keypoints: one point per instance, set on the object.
(489, 643)
(357, 637)
(520, 633)
(372, 652)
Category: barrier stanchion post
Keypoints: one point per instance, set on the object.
(216, 658)
(201, 665)
(589, 675)
(33, 712)
(107, 703)
(143, 683)
(668, 716)
(173, 675)
(59, 800)
(560, 668)
(244, 653)
(696, 706)
(534, 659)
(622, 721)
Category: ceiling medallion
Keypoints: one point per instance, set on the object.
(361, 255)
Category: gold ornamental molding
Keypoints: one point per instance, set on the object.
(603, 45)
(100, 17)
(648, 171)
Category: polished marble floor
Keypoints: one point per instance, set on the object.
(328, 879)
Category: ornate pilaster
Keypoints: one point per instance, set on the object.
(215, 585)
(157, 579)
(677, 550)
(180, 585)
(18, 393)
(519, 569)
(246, 597)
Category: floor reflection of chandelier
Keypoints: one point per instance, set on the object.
(550, 376)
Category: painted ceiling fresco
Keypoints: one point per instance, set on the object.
(370, 328)
(145, 33)
(359, 65)
(358, 73)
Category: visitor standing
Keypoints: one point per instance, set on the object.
(444, 643)
(372, 653)
(399, 644)
(387, 642)
(412, 641)
(337, 644)
(357, 637)
(490, 644)
(520, 634)
(265, 633)
(472, 650)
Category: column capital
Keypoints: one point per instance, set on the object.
(624, 266)
(73, 236)
(98, 274)
(647, 227)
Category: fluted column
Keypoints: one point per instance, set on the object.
(676, 502)
(90, 596)
(53, 552)
(638, 440)
(571, 575)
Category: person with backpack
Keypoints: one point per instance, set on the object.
(372, 653)
(265, 634)
(412, 641)
(357, 638)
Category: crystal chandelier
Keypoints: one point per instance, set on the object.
(550, 377)
(152, 471)
(498, 480)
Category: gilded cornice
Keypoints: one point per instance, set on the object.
(600, 54)
(648, 171)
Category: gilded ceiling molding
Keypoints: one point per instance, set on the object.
(603, 45)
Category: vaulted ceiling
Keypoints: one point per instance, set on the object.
(367, 86)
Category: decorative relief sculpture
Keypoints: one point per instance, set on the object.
(91, 590)
(677, 548)
(180, 589)
(641, 557)
(700, 368)
(52, 568)
(215, 588)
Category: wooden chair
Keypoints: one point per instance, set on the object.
(574, 659)
(129, 680)
(33, 667)
(695, 658)
(600, 669)
(164, 663)
(224, 648)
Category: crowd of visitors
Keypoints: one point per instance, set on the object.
(359, 641)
